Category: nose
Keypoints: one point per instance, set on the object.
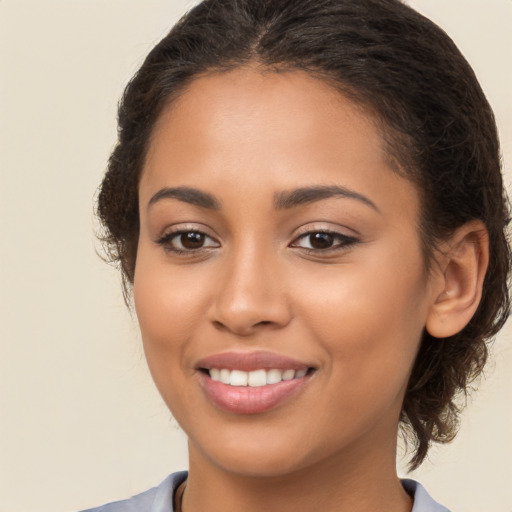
(251, 295)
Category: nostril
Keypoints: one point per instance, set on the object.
(219, 325)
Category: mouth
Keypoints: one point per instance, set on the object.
(255, 378)
(251, 383)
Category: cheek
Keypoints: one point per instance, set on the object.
(167, 298)
(169, 306)
(368, 321)
(370, 340)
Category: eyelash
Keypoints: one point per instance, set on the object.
(343, 241)
(166, 241)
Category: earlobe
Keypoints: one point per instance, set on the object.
(463, 267)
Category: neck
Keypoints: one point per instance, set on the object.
(344, 482)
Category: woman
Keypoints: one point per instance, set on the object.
(306, 202)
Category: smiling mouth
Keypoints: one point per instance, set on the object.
(252, 382)
(255, 378)
(255, 391)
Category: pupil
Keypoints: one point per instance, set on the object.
(321, 240)
(192, 240)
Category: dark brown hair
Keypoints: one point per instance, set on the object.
(435, 119)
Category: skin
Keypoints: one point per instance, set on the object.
(355, 312)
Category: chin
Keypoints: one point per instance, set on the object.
(259, 453)
(262, 465)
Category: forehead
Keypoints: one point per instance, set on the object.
(248, 105)
(251, 89)
(260, 89)
(266, 130)
(244, 107)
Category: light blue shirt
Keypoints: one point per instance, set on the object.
(159, 499)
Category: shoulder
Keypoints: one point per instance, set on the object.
(157, 499)
(423, 502)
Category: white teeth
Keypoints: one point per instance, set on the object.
(274, 376)
(288, 374)
(215, 374)
(238, 378)
(225, 376)
(255, 378)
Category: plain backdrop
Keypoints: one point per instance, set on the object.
(80, 420)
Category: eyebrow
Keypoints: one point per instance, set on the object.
(282, 201)
(300, 196)
(187, 195)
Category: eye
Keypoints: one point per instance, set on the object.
(186, 241)
(323, 241)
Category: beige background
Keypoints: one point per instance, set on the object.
(80, 422)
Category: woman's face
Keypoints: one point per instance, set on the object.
(280, 285)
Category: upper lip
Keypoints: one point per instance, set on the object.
(250, 361)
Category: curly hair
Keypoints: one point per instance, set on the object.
(437, 125)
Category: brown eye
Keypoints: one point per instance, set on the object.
(321, 240)
(192, 240)
(324, 241)
(187, 241)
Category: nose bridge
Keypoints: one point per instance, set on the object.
(250, 294)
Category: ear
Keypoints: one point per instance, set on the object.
(462, 266)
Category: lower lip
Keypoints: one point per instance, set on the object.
(251, 400)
